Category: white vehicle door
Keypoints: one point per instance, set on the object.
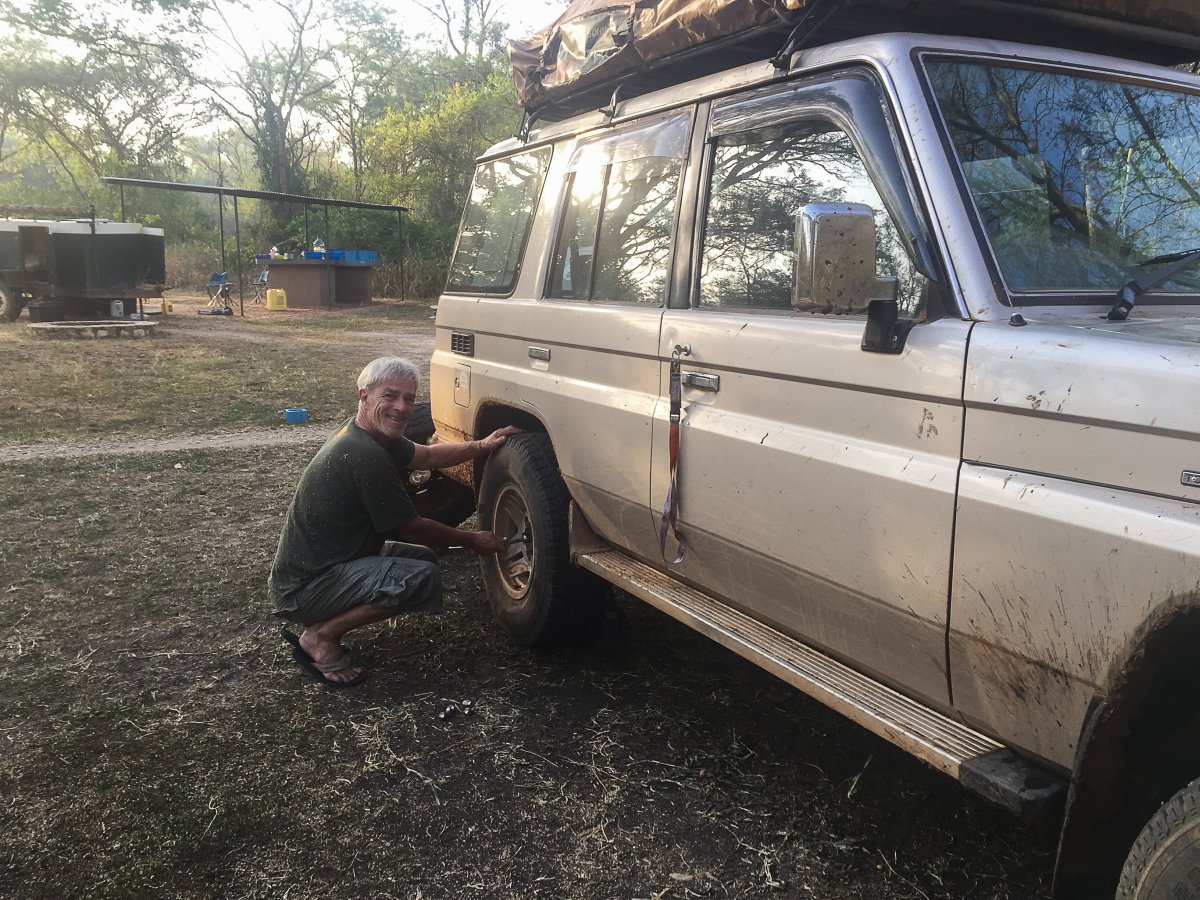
(816, 480)
(593, 337)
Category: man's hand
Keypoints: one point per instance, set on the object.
(486, 543)
(443, 456)
(496, 439)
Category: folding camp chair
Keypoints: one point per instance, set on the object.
(260, 287)
(219, 293)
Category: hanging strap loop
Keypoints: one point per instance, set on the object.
(670, 513)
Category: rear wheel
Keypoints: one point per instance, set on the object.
(434, 495)
(537, 595)
(10, 303)
(1164, 863)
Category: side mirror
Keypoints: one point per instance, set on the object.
(835, 260)
(836, 272)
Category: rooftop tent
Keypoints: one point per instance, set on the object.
(644, 44)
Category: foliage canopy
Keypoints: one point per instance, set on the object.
(328, 100)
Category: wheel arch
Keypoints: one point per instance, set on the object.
(491, 416)
(1132, 753)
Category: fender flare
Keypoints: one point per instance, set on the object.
(1118, 780)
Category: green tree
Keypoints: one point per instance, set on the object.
(89, 90)
(110, 111)
(362, 65)
(269, 96)
(471, 27)
(425, 152)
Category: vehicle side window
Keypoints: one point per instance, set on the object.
(760, 180)
(495, 227)
(614, 240)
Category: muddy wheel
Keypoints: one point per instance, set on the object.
(1164, 863)
(536, 594)
(434, 495)
(10, 303)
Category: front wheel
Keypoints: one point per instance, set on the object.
(1164, 863)
(537, 595)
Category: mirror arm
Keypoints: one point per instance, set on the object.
(886, 332)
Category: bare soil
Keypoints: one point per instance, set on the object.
(156, 738)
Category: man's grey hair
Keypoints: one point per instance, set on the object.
(388, 369)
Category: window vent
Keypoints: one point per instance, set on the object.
(462, 344)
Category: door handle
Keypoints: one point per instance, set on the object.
(702, 381)
(539, 353)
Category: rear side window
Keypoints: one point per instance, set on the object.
(614, 243)
(495, 228)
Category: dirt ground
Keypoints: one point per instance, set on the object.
(158, 741)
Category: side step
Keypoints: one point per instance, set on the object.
(984, 766)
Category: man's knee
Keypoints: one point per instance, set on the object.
(431, 575)
(411, 584)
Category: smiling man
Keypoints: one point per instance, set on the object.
(353, 549)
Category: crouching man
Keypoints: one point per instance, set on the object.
(353, 549)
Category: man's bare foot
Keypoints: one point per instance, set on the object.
(324, 650)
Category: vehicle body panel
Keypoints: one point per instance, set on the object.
(844, 484)
(1073, 526)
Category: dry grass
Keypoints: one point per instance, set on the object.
(158, 741)
(200, 374)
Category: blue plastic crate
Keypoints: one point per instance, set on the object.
(369, 257)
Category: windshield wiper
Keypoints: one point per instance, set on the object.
(1127, 297)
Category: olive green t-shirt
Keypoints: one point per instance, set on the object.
(351, 495)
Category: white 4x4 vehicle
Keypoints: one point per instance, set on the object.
(927, 310)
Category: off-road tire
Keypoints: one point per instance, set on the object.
(1164, 863)
(536, 594)
(420, 427)
(433, 494)
(10, 303)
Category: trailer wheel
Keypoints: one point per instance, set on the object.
(10, 303)
(1165, 860)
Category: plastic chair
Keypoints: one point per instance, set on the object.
(260, 287)
(219, 293)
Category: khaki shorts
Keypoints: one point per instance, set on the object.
(402, 578)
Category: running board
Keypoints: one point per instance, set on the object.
(984, 766)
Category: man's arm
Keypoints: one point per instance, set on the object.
(430, 533)
(443, 456)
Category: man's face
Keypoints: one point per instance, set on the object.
(388, 406)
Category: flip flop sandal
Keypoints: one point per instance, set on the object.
(294, 639)
(319, 670)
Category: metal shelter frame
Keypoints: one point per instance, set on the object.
(222, 192)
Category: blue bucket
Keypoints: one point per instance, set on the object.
(295, 414)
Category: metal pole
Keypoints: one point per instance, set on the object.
(307, 242)
(122, 203)
(400, 216)
(221, 219)
(328, 236)
(237, 237)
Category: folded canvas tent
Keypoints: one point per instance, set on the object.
(597, 44)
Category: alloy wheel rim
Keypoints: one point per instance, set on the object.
(514, 562)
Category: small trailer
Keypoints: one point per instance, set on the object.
(66, 269)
